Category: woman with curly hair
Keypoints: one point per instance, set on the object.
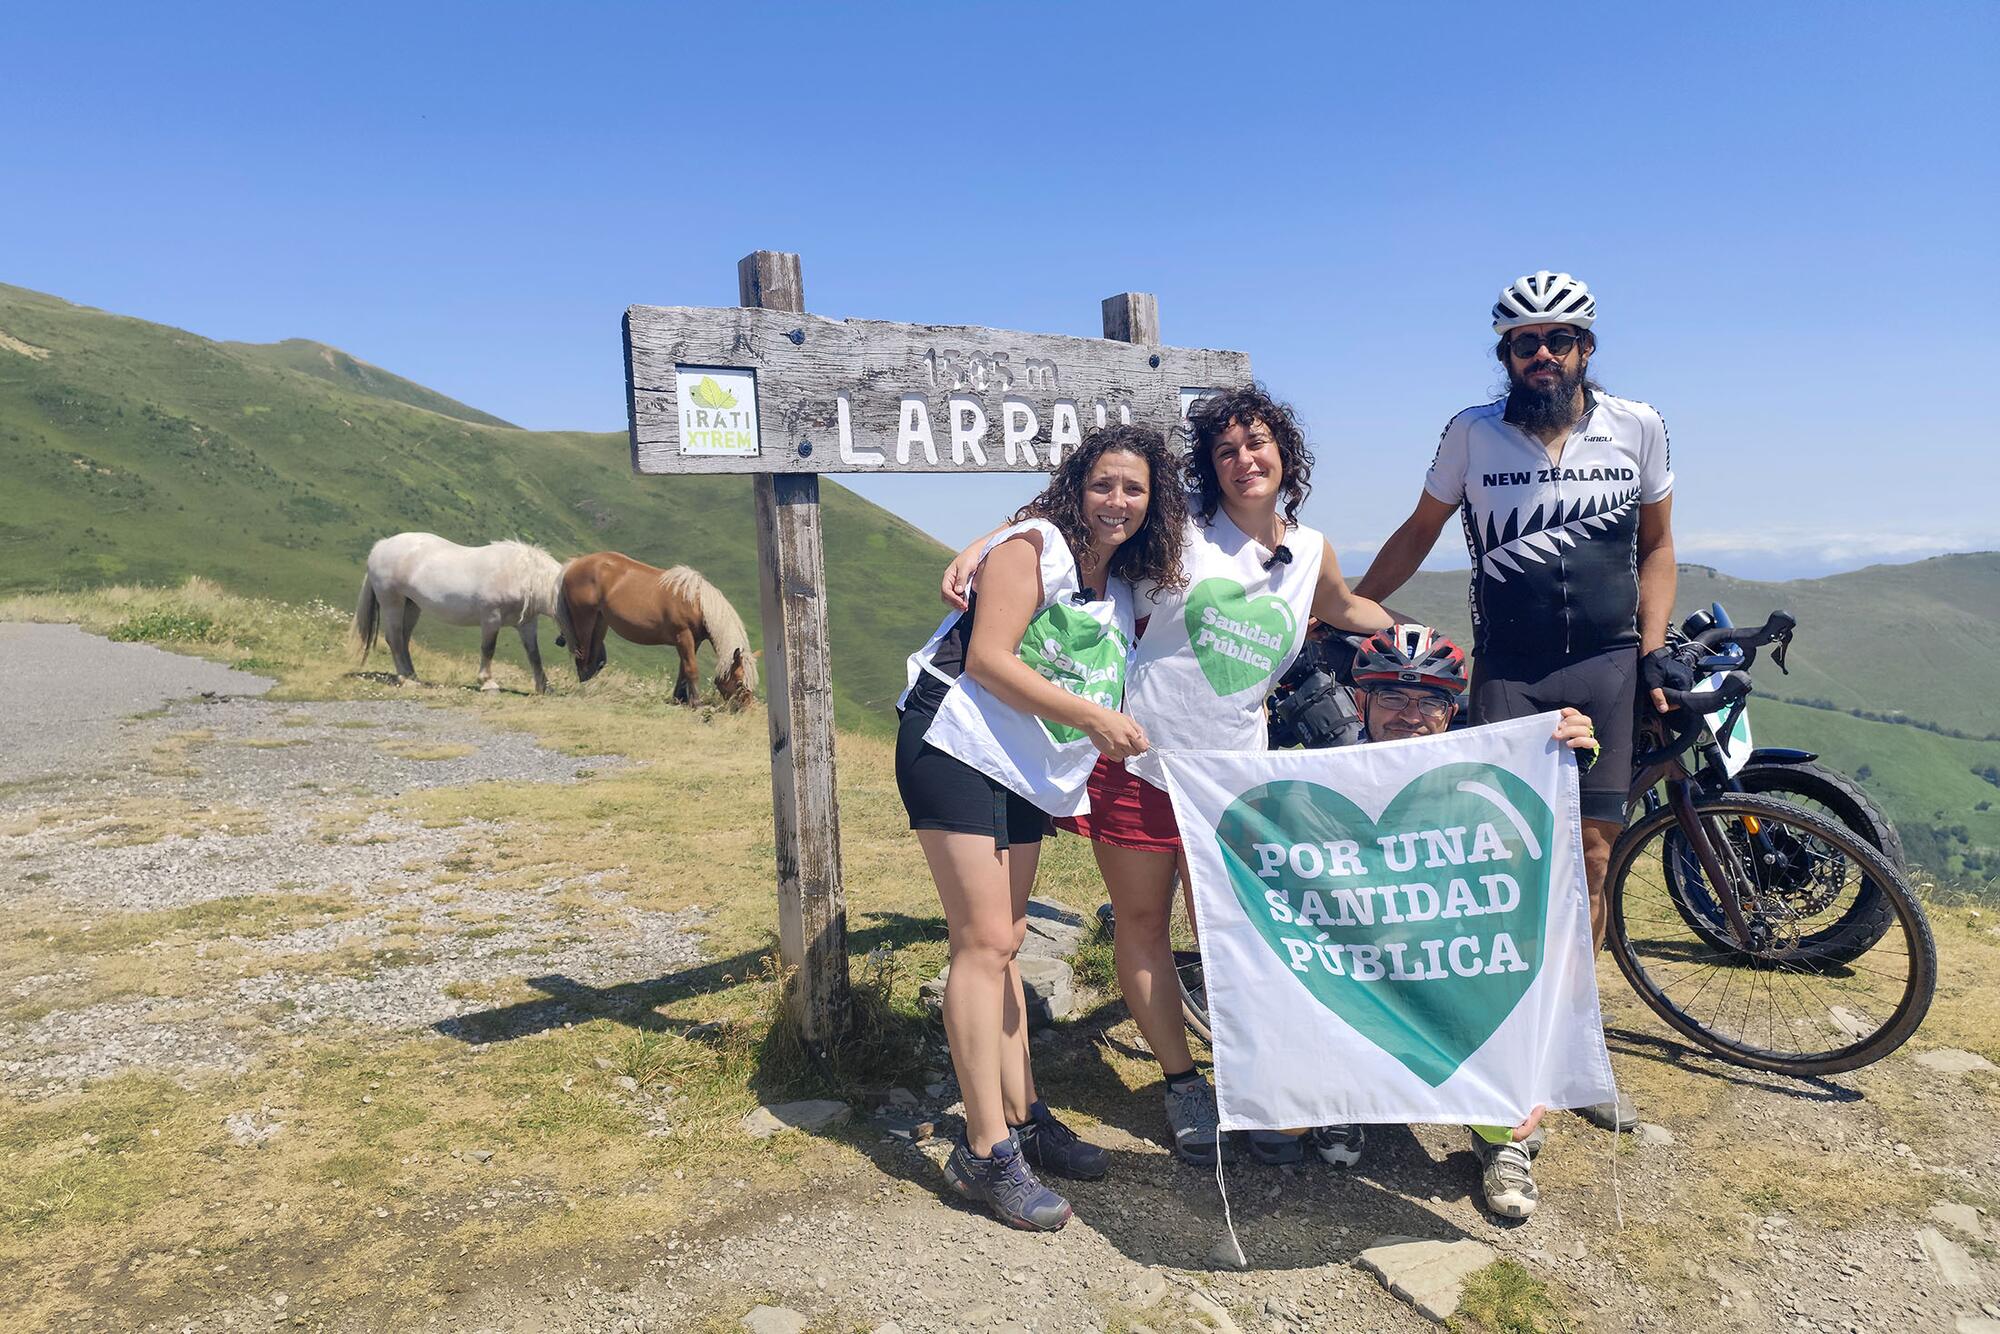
(1010, 706)
(1211, 647)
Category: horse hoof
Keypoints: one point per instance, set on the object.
(489, 685)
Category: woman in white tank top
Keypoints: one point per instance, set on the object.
(1009, 705)
(1208, 657)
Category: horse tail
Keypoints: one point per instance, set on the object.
(365, 617)
(725, 627)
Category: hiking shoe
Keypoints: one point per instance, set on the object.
(1192, 1117)
(1337, 1146)
(1053, 1147)
(1619, 1115)
(1508, 1178)
(1274, 1148)
(1006, 1185)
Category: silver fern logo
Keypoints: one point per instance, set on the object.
(1548, 530)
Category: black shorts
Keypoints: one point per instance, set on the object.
(1603, 686)
(941, 791)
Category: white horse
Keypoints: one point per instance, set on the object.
(502, 583)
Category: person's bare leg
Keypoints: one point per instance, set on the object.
(973, 885)
(1142, 897)
(1017, 1072)
(1598, 836)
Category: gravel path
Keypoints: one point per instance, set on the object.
(214, 796)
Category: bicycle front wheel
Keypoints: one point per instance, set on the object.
(1791, 997)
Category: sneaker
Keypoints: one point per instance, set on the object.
(1274, 1148)
(1508, 1178)
(1338, 1146)
(1620, 1115)
(1192, 1117)
(1006, 1185)
(1053, 1147)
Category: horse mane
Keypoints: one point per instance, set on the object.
(537, 573)
(725, 627)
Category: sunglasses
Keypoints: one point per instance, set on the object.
(1558, 343)
(1429, 705)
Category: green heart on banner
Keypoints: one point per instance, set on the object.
(1238, 641)
(1423, 928)
(1078, 652)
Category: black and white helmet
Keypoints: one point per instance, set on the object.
(1544, 298)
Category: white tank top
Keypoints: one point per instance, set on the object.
(1083, 646)
(1214, 650)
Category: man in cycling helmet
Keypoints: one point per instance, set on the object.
(1566, 494)
(1411, 680)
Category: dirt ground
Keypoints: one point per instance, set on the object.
(391, 1012)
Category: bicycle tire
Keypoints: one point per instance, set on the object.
(1835, 791)
(1193, 986)
(1779, 965)
(1830, 793)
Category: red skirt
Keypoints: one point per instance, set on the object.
(1125, 811)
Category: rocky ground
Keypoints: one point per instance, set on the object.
(141, 790)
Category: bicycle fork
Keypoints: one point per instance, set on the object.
(1680, 796)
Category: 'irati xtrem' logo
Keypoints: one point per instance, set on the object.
(718, 410)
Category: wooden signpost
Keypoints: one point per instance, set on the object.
(764, 388)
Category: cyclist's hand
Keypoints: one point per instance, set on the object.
(1527, 1127)
(1576, 731)
(958, 579)
(1117, 736)
(1659, 672)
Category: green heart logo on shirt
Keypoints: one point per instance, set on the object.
(1078, 652)
(1421, 929)
(1239, 641)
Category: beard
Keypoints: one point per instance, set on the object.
(1551, 407)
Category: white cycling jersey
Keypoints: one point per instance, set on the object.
(1554, 541)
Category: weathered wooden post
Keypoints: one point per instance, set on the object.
(766, 389)
(805, 808)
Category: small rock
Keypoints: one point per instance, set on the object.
(935, 1090)
(1227, 1254)
(773, 1320)
(1429, 1275)
(900, 1097)
(887, 1327)
(1212, 1311)
(1949, 1258)
(1148, 1289)
(1651, 1134)
(1952, 1061)
(1962, 1217)
(251, 1130)
(811, 1114)
(480, 1155)
(1976, 1324)
(629, 1084)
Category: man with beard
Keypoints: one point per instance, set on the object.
(1566, 495)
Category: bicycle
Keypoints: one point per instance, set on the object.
(1756, 893)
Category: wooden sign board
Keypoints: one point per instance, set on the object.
(755, 390)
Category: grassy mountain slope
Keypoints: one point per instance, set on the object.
(336, 367)
(134, 452)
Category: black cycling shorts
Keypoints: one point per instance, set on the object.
(941, 791)
(1603, 686)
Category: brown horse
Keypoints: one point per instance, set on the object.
(607, 591)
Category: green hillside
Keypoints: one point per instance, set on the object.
(139, 453)
(336, 367)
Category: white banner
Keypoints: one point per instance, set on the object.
(1395, 932)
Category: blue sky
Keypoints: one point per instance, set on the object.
(1787, 211)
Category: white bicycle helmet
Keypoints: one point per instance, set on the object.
(1544, 298)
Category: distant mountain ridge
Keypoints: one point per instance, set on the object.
(135, 452)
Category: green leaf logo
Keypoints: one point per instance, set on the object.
(709, 394)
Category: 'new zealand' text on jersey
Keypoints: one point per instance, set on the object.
(1554, 543)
